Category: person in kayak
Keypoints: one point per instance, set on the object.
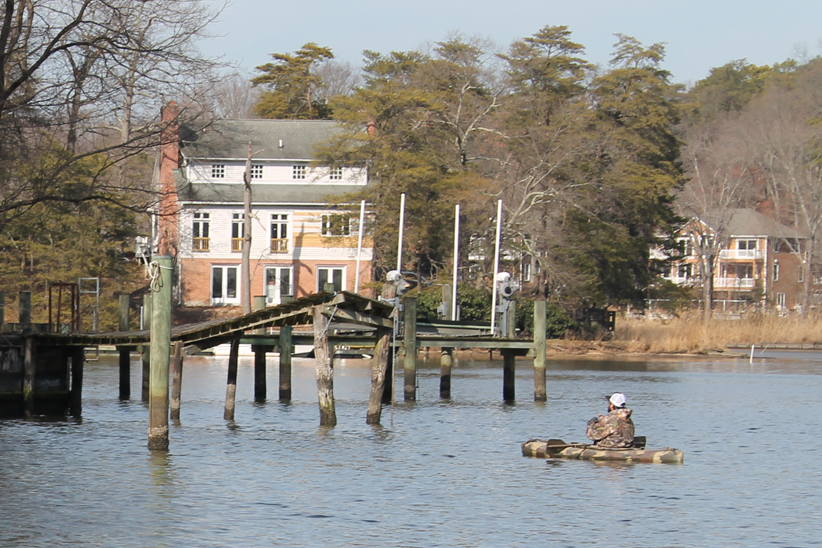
(615, 429)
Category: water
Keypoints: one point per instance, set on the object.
(446, 473)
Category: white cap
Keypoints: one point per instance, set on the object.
(617, 399)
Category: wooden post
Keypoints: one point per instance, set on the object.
(325, 374)
(286, 351)
(176, 380)
(389, 294)
(540, 392)
(231, 381)
(447, 297)
(2, 308)
(29, 363)
(260, 385)
(379, 365)
(146, 349)
(446, 361)
(259, 304)
(124, 351)
(25, 307)
(511, 328)
(160, 347)
(78, 356)
(409, 340)
(509, 363)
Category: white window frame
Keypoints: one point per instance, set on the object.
(776, 271)
(279, 231)
(336, 224)
(329, 270)
(200, 230)
(335, 173)
(275, 289)
(256, 171)
(229, 290)
(218, 171)
(299, 171)
(781, 300)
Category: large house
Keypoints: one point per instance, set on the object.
(299, 243)
(760, 260)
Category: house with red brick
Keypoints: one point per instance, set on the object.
(760, 261)
(299, 242)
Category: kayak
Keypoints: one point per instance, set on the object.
(558, 449)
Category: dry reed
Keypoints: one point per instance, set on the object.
(688, 332)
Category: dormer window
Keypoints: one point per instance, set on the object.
(298, 172)
(335, 174)
(256, 171)
(218, 171)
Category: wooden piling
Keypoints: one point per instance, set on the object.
(29, 363)
(176, 380)
(540, 391)
(410, 343)
(231, 381)
(286, 352)
(509, 362)
(160, 347)
(325, 374)
(379, 366)
(260, 384)
(124, 351)
(446, 361)
(145, 357)
(2, 308)
(24, 307)
(78, 356)
(389, 294)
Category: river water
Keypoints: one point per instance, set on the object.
(436, 473)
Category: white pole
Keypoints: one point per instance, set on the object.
(456, 262)
(496, 269)
(359, 247)
(402, 227)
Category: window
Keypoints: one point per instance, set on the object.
(336, 225)
(199, 232)
(746, 244)
(801, 273)
(278, 286)
(298, 172)
(526, 271)
(330, 275)
(224, 285)
(780, 300)
(218, 171)
(335, 174)
(744, 271)
(279, 233)
(237, 231)
(776, 271)
(684, 271)
(256, 171)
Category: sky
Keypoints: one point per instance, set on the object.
(698, 34)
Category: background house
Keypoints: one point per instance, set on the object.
(760, 261)
(299, 242)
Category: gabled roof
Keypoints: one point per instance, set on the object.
(749, 222)
(228, 139)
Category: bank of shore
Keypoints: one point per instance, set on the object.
(688, 334)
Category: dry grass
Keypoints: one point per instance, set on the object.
(688, 332)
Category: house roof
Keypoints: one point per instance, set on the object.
(228, 139)
(749, 222)
(305, 193)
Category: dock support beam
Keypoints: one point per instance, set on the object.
(286, 351)
(540, 391)
(176, 380)
(231, 381)
(260, 383)
(509, 364)
(410, 342)
(446, 361)
(78, 356)
(160, 347)
(379, 366)
(325, 374)
(146, 349)
(29, 362)
(124, 351)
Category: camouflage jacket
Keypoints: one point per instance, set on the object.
(614, 430)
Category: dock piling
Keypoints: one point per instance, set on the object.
(160, 347)
(78, 356)
(145, 350)
(176, 380)
(260, 383)
(540, 390)
(231, 381)
(379, 366)
(325, 375)
(410, 343)
(509, 363)
(123, 351)
(286, 352)
(446, 361)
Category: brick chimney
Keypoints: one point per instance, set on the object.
(169, 163)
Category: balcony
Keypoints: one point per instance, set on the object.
(200, 244)
(745, 254)
(734, 283)
(237, 244)
(279, 245)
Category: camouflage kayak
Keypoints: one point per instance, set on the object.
(558, 449)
